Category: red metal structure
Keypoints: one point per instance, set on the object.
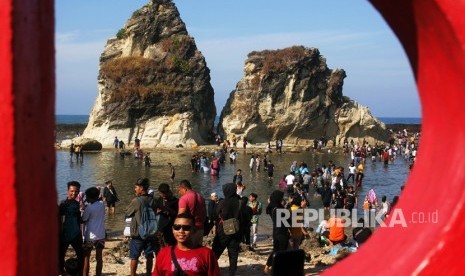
(433, 35)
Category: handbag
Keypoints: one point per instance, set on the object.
(178, 271)
(231, 226)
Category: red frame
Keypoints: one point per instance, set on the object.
(433, 35)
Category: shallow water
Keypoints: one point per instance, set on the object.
(98, 167)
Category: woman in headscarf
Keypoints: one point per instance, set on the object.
(229, 207)
(280, 232)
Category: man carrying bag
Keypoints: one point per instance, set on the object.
(228, 234)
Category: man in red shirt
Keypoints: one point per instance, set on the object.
(193, 203)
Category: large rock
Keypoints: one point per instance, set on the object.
(153, 84)
(291, 94)
(86, 143)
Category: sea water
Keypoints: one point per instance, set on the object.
(99, 167)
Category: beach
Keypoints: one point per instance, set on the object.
(116, 258)
(107, 164)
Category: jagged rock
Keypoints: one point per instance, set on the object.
(291, 94)
(153, 84)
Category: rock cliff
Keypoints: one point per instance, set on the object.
(153, 84)
(292, 94)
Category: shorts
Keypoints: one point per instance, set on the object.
(137, 245)
(111, 204)
(100, 244)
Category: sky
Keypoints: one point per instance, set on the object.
(351, 35)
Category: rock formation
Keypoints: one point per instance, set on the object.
(292, 94)
(153, 84)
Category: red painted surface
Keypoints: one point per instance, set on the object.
(28, 205)
(8, 244)
(433, 35)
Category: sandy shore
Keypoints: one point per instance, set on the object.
(116, 257)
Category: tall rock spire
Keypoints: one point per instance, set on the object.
(153, 84)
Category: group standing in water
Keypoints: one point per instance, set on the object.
(183, 222)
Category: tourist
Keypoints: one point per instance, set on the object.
(70, 226)
(81, 154)
(234, 141)
(240, 187)
(167, 207)
(268, 148)
(215, 167)
(71, 152)
(265, 162)
(257, 162)
(137, 244)
(204, 164)
(193, 203)
(256, 207)
(296, 233)
(290, 179)
(244, 142)
(77, 149)
(280, 233)
(352, 170)
(385, 207)
(212, 210)
(137, 143)
(270, 169)
(230, 207)
(359, 178)
(282, 183)
(110, 196)
(293, 167)
(279, 146)
(238, 176)
(94, 234)
(186, 257)
(351, 199)
(252, 162)
(147, 160)
(306, 179)
(116, 143)
(336, 229)
(360, 234)
(193, 163)
(326, 195)
(172, 172)
(232, 156)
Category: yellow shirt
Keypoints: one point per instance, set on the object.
(297, 231)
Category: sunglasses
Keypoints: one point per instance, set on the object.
(184, 227)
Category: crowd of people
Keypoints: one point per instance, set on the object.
(183, 222)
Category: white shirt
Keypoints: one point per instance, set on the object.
(252, 161)
(290, 179)
(352, 169)
(94, 218)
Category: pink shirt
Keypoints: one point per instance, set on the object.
(198, 261)
(188, 201)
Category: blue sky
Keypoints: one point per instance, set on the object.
(350, 34)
